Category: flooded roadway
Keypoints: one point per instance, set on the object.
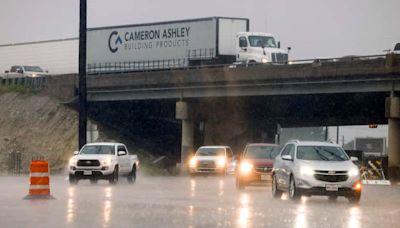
(188, 202)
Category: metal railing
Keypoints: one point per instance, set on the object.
(193, 55)
(35, 83)
(123, 67)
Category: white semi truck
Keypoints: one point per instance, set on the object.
(164, 45)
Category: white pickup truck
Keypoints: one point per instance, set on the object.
(103, 161)
(20, 71)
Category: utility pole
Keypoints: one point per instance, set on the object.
(82, 74)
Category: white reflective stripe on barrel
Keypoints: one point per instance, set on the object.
(39, 187)
(39, 174)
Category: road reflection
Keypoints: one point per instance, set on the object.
(244, 210)
(107, 206)
(300, 221)
(70, 205)
(192, 188)
(354, 218)
(221, 187)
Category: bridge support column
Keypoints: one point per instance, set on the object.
(183, 113)
(393, 113)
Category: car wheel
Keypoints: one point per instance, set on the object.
(240, 184)
(276, 193)
(114, 176)
(293, 191)
(355, 197)
(132, 175)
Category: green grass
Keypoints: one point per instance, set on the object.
(17, 89)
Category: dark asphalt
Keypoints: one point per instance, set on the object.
(188, 202)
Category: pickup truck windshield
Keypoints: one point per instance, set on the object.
(211, 152)
(33, 68)
(262, 41)
(97, 149)
(321, 153)
(261, 152)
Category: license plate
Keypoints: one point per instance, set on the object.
(332, 187)
(265, 177)
(87, 172)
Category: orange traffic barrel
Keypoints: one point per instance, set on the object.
(39, 180)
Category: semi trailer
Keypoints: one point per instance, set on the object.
(183, 43)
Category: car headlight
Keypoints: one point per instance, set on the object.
(353, 172)
(193, 162)
(34, 75)
(106, 161)
(264, 60)
(245, 167)
(72, 161)
(221, 162)
(306, 171)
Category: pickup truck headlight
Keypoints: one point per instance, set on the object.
(106, 161)
(264, 60)
(193, 162)
(354, 172)
(221, 162)
(245, 167)
(72, 161)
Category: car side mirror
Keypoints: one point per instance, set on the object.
(20, 71)
(353, 159)
(6, 71)
(287, 158)
(121, 153)
(279, 44)
(76, 152)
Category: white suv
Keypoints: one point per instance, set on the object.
(315, 168)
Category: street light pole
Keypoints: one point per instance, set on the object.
(82, 74)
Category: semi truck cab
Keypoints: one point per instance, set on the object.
(256, 47)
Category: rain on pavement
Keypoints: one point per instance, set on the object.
(203, 201)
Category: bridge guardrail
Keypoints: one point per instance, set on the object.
(183, 64)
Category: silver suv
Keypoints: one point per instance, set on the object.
(315, 168)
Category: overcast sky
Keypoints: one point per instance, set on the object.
(313, 28)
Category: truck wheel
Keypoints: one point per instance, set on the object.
(114, 176)
(132, 175)
(240, 184)
(72, 179)
(293, 191)
(276, 193)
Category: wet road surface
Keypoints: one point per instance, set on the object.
(188, 202)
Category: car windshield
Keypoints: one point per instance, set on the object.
(211, 151)
(262, 41)
(33, 68)
(321, 153)
(260, 152)
(97, 149)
